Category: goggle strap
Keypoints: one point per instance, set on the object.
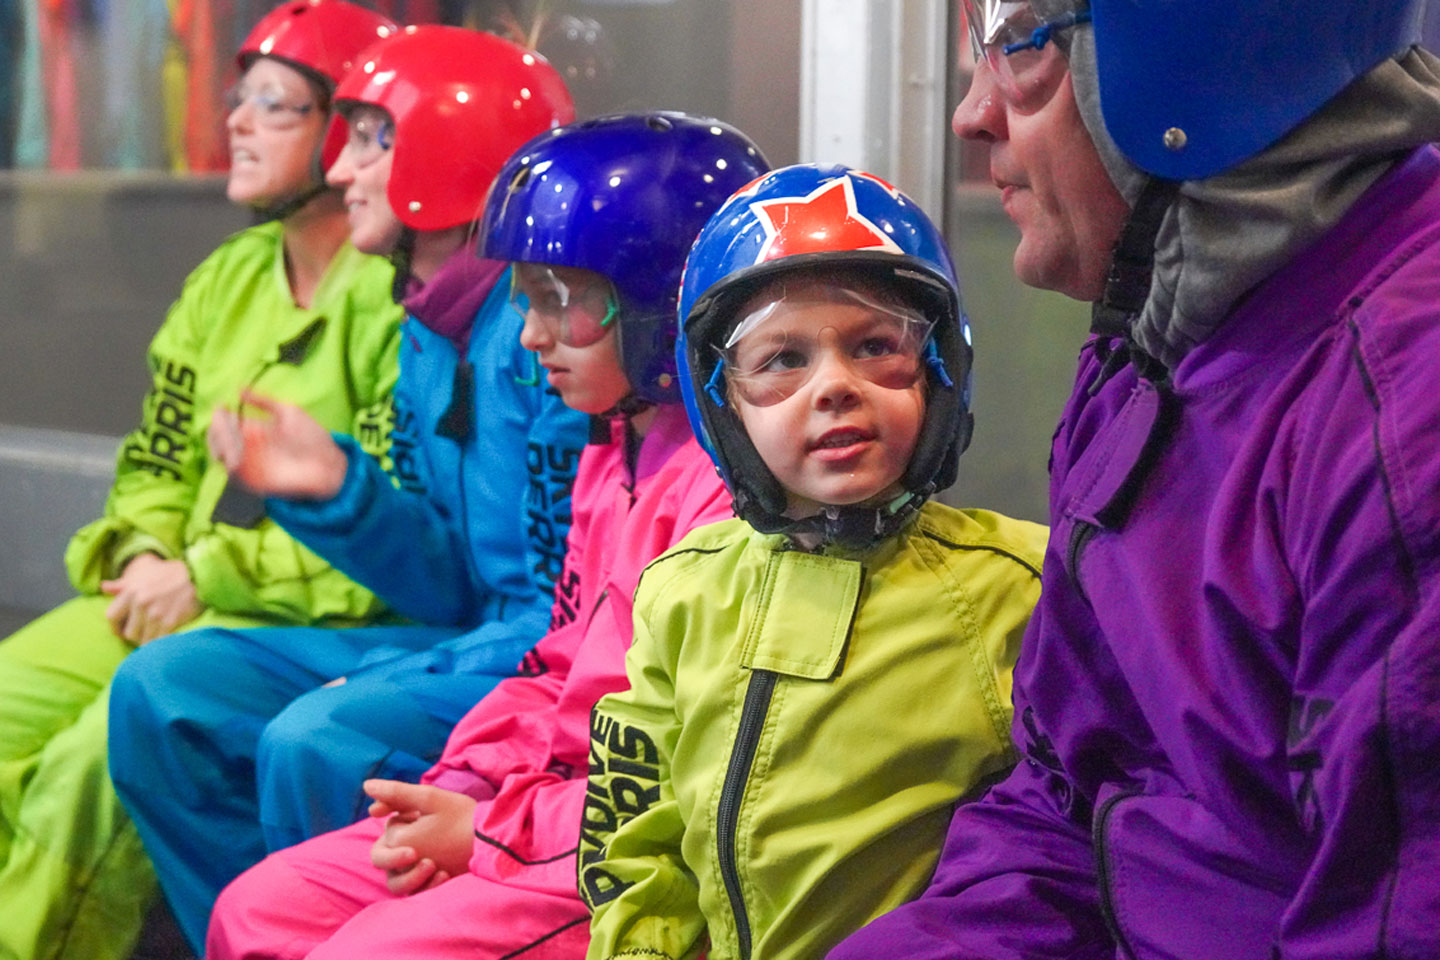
(935, 363)
(712, 386)
(1041, 35)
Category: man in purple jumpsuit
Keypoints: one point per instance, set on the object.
(1228, 701)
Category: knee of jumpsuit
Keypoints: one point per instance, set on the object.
(292, 901)
(267, 912)
(185, 720)
(316, 753)
(187, 711)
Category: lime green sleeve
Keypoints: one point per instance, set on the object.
(234, 326)
(643, 898)
(159, 464)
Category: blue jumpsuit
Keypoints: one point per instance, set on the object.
(231, 742)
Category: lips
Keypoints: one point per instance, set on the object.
(841, 438)
(1003, 181)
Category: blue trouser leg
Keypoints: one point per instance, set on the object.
(390, 724)
(186, 718)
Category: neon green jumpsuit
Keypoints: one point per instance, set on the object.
(797, 731)
(74, 880)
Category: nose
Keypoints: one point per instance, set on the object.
(981, 114)
(834, 386)
(535, 334)
(342, 171)
(240, 118)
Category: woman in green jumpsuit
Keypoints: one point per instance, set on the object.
(288, 308)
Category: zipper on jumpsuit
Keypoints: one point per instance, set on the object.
(1103, 876)
(1080, 536)
(727, 815)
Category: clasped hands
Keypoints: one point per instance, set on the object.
(428, 837)
(152, 597)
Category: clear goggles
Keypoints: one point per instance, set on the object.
(273, 107)
(1017, 45)
(577, 313)
(370, 133)
(771, 355)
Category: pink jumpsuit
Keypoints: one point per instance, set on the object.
(522, 751)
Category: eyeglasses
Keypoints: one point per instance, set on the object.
(274, 109)
(1018, 47)
(768, 359)
(576, 314)
(370, 136)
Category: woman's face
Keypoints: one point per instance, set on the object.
(362, 173)
(276, 125)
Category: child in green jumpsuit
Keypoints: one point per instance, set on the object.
(816, 684)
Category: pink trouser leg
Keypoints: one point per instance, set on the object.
(296, 899)
(469, 917)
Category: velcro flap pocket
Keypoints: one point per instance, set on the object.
(803, 615)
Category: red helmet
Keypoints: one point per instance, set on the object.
(461, 102)
(320, 38)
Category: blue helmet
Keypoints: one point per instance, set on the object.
(1189, 88)
(833, 218)
(623, 196)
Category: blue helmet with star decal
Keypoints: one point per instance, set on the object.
(836, 220)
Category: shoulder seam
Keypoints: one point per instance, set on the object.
(991, 546)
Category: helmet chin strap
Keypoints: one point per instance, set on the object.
(400, 258)
(848, 527)
(283, 209)
(628, 406)
(1127, 286)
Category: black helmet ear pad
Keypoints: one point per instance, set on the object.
(949, 424)
(759, 497)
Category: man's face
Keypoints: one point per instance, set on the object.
(1052, 182)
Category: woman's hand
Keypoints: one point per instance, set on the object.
(153, 597)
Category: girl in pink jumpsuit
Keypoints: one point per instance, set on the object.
(479, 859)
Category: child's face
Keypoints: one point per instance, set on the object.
(829, 384)
(362, 171)
(569, 322)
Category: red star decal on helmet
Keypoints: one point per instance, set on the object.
(824, 220)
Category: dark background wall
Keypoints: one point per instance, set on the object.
(88, 264)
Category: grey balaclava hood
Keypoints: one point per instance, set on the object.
(1223, 235)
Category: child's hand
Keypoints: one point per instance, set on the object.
(428, 839)
(287, 455)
